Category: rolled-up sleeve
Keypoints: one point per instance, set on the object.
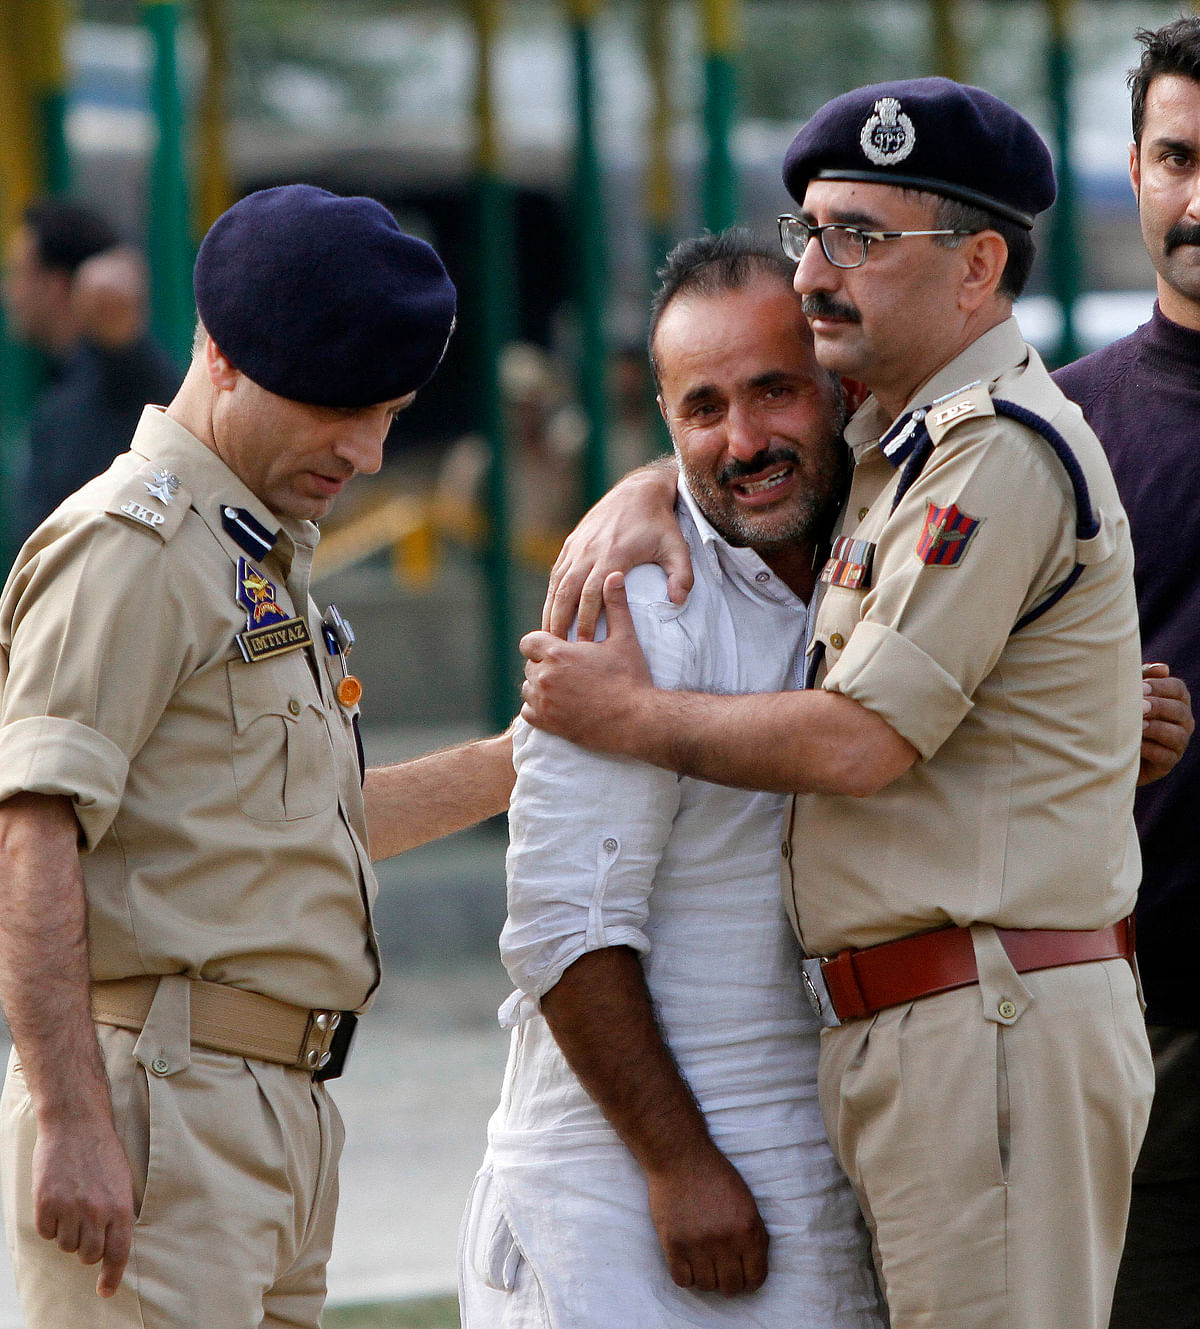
(586, 835)
(70, 721)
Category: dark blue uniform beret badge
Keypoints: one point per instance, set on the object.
(323, 299)
(930, 134)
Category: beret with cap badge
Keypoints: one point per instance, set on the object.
(930, 134)
(323, 299)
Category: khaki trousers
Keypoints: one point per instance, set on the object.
(235, 1187)
(991, 1150)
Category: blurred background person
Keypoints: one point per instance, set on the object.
(547, 432)
(76, 293)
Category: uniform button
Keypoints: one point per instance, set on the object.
(610, 845)
(312, 1057)
(1007, 1009)
(321, 1020)
(837, 641)
(160, 1065)
(326, 1057)
(862, 512)
(786, 849)
(762, 576)
(294, 706)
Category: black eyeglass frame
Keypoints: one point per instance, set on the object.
(790, 228)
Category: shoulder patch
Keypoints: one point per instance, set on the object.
(969, 403)
(154, 498)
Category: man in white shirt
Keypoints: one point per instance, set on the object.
(658, 1148)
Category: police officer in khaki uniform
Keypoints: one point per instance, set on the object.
(960, 860)
(186, 934)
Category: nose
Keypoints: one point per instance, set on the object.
(744, 438)
(360, 442)
(1193, 205)
(814, 272)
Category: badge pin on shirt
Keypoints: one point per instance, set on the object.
(339, 641)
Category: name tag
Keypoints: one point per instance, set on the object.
(274, 639)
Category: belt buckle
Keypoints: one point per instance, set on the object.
(333, 1060)
(817, 991)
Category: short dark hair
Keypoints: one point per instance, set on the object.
(711, 264)
(1172, 49)
(66, 233)
(951, 215)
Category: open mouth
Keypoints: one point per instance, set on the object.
(765, 484)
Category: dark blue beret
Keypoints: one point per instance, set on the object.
(930, 134)
(323, 299)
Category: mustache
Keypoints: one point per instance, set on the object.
(818, 304)
(1182, 233)
(740, 470)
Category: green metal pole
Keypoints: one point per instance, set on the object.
(720, 25)
(33, 71)
(169, 239)
(494, 294)
(944, 33)
(1065, 263)
(590, 258)
(660, 182)
(660, 196)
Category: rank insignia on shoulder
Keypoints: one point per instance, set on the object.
(849, 563)
(965, 403)
(163, 486)
(140, 512)
(945, 536)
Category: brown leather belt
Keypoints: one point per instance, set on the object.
(229, 1019)
(861, 982)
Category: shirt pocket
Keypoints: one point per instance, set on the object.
(282, 756)
(839, 614)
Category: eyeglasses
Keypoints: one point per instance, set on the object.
(843, 246)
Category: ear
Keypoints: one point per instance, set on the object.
(662, 410)
(221, 374)
(855, 393)
(1135, 171)
(984, 256)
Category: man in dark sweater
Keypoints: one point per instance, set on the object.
(75, 293)
(1141, 395)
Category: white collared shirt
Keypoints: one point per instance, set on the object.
(610, 852)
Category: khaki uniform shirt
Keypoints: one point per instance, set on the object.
(224, 833)
(1018, 811)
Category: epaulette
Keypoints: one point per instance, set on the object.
(152, 498)
(971, 402)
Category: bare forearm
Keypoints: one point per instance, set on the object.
(788, 742)
(44, 974)
(707, 1222)
(602, 1018)
(81, 1183)
(413, 802)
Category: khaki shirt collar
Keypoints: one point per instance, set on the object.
(999, 349)
(212, 485)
